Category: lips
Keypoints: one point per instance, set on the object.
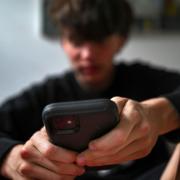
(89, 70)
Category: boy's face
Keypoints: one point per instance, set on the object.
(92, 61)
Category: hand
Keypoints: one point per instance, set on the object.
(133, 138)
(39, 159)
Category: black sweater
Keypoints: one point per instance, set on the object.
(20, 116)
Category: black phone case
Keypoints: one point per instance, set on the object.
(91, 119)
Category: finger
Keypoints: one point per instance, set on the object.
(102, 146)
(37, 158)
(114, 160)
(23, 178)
(139, 131)
(50, 151)
(105, 146)
(117, 137)
(138, 134)
(121, 135)
(131, 152)
(20, 177)
(70, 169)
(37, 172)
(120, 102)
(136, 155)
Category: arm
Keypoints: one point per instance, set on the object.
(156, 113)
(162, 111)
(22, 152)
(39, 159)
(20, 116)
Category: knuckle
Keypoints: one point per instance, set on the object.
(115, 98)
(133, 117)
(26, 150)
(49, 151)
(25, 153)
(133, 112)
(25, 168)
(131, 103)
(136, 116)
(145, 128)
(120, 101)
(118, 98)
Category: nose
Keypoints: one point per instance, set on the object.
(88, 52)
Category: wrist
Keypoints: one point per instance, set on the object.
(162, 113)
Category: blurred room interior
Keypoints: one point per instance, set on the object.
(30, 49)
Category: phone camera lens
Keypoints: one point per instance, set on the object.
(65, 123)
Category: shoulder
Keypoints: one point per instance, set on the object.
(55, 80)
(135, 64)
(146, 73)
(140, 66)
(46, 89)
(59, 77)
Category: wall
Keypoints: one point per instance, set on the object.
(26, 56)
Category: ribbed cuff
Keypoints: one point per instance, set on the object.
(174, 98)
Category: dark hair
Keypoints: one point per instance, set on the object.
(91, 19)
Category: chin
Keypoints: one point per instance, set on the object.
(92, 84)
(95, 80)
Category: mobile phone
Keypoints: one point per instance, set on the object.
(74, 124)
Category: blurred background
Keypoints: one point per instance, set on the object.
(30, 50)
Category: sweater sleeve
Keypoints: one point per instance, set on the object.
(174, 98)
(16, 114)
(169, 87)
(158, 81)
(21, 114)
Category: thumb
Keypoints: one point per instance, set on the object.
(120, 102)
